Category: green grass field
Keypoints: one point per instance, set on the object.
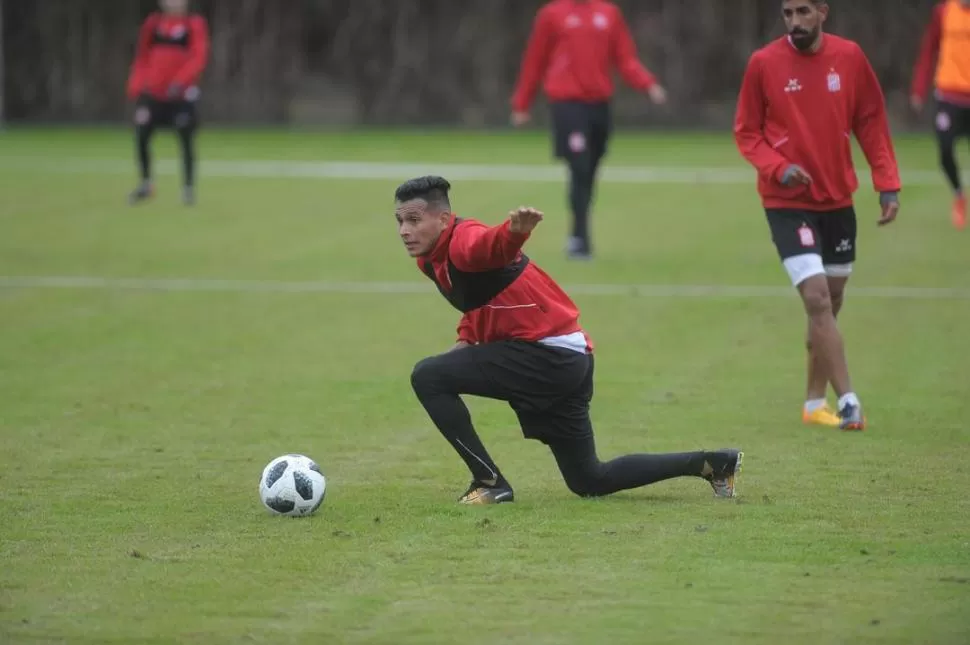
(139, 405)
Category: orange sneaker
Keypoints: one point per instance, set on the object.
(960, 212)
(823, 416)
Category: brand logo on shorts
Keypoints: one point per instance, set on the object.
(834, 81)
(806, 236)
(577, 142)
(942, 121)
(844, 246)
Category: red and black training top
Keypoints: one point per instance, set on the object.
(172, 52)
(501, 293)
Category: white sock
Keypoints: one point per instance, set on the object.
(848, 398)
(814, 404)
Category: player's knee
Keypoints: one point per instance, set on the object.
(818, 301)
(590, 482)
(425, 377)
(836, 298)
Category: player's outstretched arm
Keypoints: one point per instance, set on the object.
(477, 247)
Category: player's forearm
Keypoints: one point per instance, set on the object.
(637, 76)
(766, 160)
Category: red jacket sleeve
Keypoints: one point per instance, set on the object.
(465, 332)
(923, 70)
(477, 247)
(749, 121)
(535, 60)
(136, 76)
(189, 74)
(871, 127)
(624, 54)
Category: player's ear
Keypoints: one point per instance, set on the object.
(823, 12)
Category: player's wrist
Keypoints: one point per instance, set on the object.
(888, 197)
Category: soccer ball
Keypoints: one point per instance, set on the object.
(292, 485)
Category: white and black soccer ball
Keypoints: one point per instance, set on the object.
(292, 485)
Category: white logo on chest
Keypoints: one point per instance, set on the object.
(793, 85)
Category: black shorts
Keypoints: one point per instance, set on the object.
(548, 388)
(951, 121)
(829, 234)
(170, 114)
(579, 127)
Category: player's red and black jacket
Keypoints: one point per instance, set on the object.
(502, 295)
(574, 47)
(172, 53)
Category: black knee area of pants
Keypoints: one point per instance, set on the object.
(589, 480)
(582, 471)
(426, 378)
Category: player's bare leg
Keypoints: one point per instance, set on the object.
(816, 410)
(826, 342)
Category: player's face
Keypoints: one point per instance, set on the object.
(803, 20)
(420, 226)
(175, 6)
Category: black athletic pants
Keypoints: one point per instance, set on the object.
(581, 133)
(550, 389)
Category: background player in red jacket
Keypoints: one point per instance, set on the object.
(519, 340)
(944, 61)
(801, 97)
(172, 51)
(574, 47)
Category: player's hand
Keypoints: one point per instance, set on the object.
(524, 219)
(657, 94)
(795, 175)
(916, 103)
(520, 118)
(890, 208)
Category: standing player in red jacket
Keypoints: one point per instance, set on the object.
(172, 51)
(944, 61)
(519, 340)
(802, 97)
(574, 47)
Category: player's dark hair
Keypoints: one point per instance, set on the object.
(431, 189)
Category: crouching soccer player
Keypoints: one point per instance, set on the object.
(519, 341)
(173, 47)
